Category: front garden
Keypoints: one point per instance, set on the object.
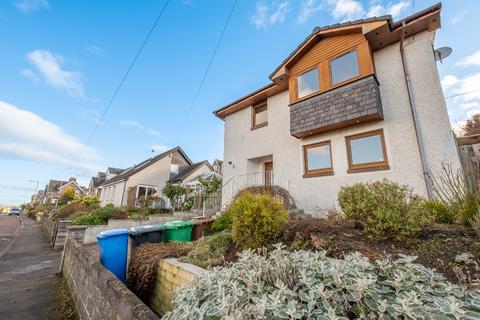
(387, 254)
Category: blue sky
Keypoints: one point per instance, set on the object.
(60, 62)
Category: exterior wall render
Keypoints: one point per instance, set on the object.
(314, 195)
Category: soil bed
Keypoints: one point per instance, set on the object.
(437, 246)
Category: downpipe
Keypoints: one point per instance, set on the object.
(413, 109)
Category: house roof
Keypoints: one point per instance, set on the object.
(54, 185)
(379, 31)
(96, 181)
(74, 182)
(335, 26)
(114, 170)
(188, 171)
(127, 173)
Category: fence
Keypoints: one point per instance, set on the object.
(207, 204)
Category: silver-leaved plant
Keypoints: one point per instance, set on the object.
(309, 285)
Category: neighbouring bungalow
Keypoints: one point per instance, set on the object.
(72, 185)
(51, 194)
(150, 177)
(354, 102)
(190, 176)
(95, 182)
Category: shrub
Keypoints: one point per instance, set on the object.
(457, 192)
(275, 191)
(440, 211)
(224, 222)
(257, 220)
(98, 216)
(142, 267)
(387, 209)
(209, 251)
(309, 285)
(89, 200)
(72, 209)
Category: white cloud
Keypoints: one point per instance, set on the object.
(26, 6)
(158, 148)
(308, 9)
(28, 73)
(137, 125)
(24, 135)
(96, 50)
(346, 9)
(50, 67)
(395, 9)
(471, 60)
(269, 14)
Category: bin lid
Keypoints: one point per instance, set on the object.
(112, 233)
(171, 225)
(178, 224)
(147, 229)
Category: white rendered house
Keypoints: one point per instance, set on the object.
(339, 110)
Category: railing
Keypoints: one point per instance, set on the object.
(256, 179)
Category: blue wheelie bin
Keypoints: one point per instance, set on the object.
(113, 245)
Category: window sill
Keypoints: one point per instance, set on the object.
(369, 169)
(318, 174)
(258, 126)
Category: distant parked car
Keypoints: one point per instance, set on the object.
(14, 212)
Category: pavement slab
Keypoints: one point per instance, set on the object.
(28, 273)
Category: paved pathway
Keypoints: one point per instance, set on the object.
(27, 275)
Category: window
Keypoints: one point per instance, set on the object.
(145, 191)
(174, 168)
(259, 116)
(308, 83)
(113, 191)
(318, 159)
(344, 67)
(366, 152)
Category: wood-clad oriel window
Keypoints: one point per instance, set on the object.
(337, 60)
(367, 152)
(317, 159)
(259, 116)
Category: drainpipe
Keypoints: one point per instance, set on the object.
(123, 192)
(413, 109)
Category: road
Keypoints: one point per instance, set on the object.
(28, 268)
(8, 227)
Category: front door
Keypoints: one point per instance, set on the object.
(268, 173)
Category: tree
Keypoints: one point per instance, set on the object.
(176, 194)
(472, 126)
(210, 186)
(67, 196)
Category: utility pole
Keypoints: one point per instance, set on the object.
(36, 186)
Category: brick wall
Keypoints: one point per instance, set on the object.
(171, 275)
(357, 101)
(97, 293)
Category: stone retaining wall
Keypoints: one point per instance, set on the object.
(50, 228)
(97, 293)
(171, 275)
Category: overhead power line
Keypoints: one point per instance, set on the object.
(195, 97)
(109, 104)
(461, 94)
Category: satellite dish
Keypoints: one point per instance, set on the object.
(442, 53)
